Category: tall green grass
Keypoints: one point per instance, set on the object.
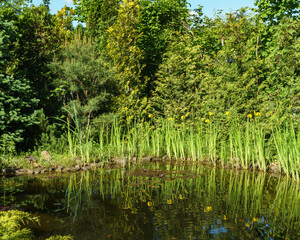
(250, 145)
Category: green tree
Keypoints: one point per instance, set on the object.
(38, 41)
(63, 22)
(98, 15)
(136, 43)
(179, 91)
(16, 100)
(273, 11)
(83, 79)
(126, 56)
(157, 20)
(283, 70)
(218, 70)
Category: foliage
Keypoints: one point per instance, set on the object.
(60, 238)
(34, 50)
(179, 76)
(10, 225)
(16, 109)
(282, 74)
(143, 59)
(99, 15)
(126, 55)
(16, 100)
(157, 20)
(82, 79)
(223, 68)
(273, 11)
(63, 22)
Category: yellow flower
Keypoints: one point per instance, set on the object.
(180, 196)
(182, 117)
(258, 114)
(207, 121)
(210, 113)
(149, 204)
(208, 209)
(170, 119)
(169, 201)
(126, 108)
(255, 219)
(227, 113)
(225, 217)
(249, 115)
(247, 224)
(150, 115)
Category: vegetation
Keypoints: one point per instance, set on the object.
(147, 77)
(12, 226)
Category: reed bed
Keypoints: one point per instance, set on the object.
(243, 146)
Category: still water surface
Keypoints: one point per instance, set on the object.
(159, 201)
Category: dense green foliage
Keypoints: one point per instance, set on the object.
(82, 79)
(16, 97)
(145, 60)
(12, 224)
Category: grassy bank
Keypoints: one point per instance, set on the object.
(249, 144)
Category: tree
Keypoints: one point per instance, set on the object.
(272, 11)
(39, 40)
(16, 100)
(126, 56)
(82, 79)
(98, 15)
(217, 71)
(63, 22)
(157, 20)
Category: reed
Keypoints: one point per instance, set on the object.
(287, 143)
(246, 144)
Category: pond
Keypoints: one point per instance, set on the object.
(158, 201)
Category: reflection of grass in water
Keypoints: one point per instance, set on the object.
(228, 196)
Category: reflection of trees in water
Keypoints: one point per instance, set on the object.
(165, 201)
(184, 202)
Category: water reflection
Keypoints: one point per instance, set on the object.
(166, 202)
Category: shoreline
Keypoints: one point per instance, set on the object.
(38, 170)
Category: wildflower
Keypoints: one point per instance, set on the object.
(227, 113)
(207, 120)
(225, 217)
(210, 113)
(169, 201)
(182, 117)
(258, 114)
(208, 209)
(249, 115)
(255, 219)
(247, 224)
(149, 204)
(126, 108)
(150, 115)
(180, 196)
(170, 119)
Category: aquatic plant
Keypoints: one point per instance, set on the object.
(250, 146)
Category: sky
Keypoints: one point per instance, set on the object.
(209, 6)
